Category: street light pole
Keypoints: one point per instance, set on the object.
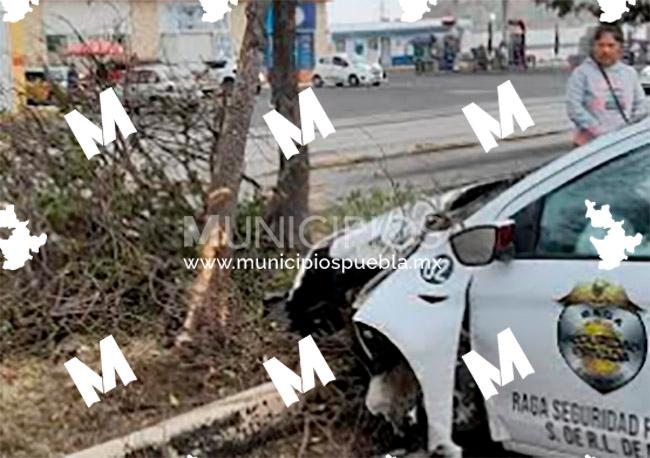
(490, 45)
(504, 30)
(382, 11)
(504, 21)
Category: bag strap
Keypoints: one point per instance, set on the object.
(611, 90)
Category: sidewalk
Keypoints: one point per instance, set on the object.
(370, 138)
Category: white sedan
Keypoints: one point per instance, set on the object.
(148, 84)
(512, 256)
(341, 70)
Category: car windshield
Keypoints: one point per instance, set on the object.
(217, 64)
(34, 76)
(178, 73)
(57, 75)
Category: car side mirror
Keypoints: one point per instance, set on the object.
(480, 245)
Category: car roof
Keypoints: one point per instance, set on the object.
(330, 56)
(42, 69)
(139, 68)
(596, 146)
(169, 71)
(605, 145)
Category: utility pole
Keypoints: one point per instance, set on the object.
(504, 30)
(382, 11)
(456, 10)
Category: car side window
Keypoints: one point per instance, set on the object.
(151, 78)
(133, 77)
(555, 226)
(340, 62)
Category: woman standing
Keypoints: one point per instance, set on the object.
(603, 93)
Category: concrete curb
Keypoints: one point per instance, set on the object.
(536, 69)
(420, 149)
(416, 150)
(161, 433)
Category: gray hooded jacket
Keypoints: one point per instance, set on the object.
(591, 105)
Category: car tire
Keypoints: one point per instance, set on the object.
(470, 426)
(377, 83)
(228, 84)
(317, 81)
(354, 81)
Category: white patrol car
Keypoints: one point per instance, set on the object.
(517, 258)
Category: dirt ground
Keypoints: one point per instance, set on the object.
(43, 413)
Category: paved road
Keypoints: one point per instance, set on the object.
(405, 93)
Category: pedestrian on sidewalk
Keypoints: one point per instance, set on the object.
(72, 78)
(603, 93)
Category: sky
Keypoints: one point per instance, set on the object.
(350, 11)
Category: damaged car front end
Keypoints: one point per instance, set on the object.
(393, 324)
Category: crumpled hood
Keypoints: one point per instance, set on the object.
(393, 232)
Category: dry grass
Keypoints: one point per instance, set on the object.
(43, 414)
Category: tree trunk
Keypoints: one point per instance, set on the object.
(210, 294)
(290, 204)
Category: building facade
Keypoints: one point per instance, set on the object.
(170, 31)
(6, 85)
(540, 22)
(312, 33)
(394, 43)
(147, 29)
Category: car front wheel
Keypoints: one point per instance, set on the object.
(354, 80)
(394, 392)
(317, 81)
(228, 84)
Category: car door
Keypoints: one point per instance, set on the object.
(132, 85)
(340, 69)
(140, 83)
(583, 328)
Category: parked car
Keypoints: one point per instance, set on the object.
(221, 74)
(157, 82)
(40, 82)
(340, 70)
(645, 79)
(218, 73)
(510, 254)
